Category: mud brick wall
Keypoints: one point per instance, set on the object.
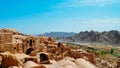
(5, 38)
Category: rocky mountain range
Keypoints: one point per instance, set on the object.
(106, 37)
(58, 34)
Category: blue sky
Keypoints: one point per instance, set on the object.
(39, 16)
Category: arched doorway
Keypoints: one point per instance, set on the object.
(43, 57)
(29, 51)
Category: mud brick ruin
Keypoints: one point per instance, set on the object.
(39, 49)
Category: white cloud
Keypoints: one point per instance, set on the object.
(105, 21)
(79, 3)
(91, 24)
(102, 24)
(95, 2)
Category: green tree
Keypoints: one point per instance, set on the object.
(112, 50)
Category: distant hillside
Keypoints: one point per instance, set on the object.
(59, 34)
(110, 37)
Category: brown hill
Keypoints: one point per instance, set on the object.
(110, 37)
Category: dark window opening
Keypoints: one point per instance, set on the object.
(30, 43)
(29, 51)
(59, 44)
(15, 48)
